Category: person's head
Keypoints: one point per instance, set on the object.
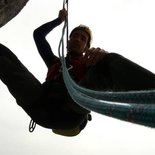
(79, 39)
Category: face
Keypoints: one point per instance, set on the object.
(78, 42)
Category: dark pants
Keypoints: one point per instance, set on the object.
(44, 103)
(116, 73)
(21, 83)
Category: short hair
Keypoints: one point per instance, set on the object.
(86, 29)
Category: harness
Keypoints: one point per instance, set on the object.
(74, 66)
(77, 72)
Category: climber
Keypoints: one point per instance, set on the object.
(77, 63)
(49, 104)
(92, 68)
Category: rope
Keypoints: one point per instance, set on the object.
(134, 106)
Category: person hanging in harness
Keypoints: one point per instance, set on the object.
(79, 43)
(49, 104)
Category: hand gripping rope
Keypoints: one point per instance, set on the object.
(132, 106)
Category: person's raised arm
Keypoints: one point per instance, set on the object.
(40, 33)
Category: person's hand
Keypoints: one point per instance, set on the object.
(93, 55)
(62, 14)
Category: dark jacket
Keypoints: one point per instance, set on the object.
(53, 109)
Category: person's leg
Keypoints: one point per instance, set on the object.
(98, 77)
(117, 73)
(127, 75)
(21, 83)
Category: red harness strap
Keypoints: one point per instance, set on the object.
(53, 71)
(76, 70)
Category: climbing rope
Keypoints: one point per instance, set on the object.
(134, 106)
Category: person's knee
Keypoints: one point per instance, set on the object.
(4, 51)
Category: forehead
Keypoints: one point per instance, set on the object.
(81, 33)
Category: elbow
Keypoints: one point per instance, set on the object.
(35, 34)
